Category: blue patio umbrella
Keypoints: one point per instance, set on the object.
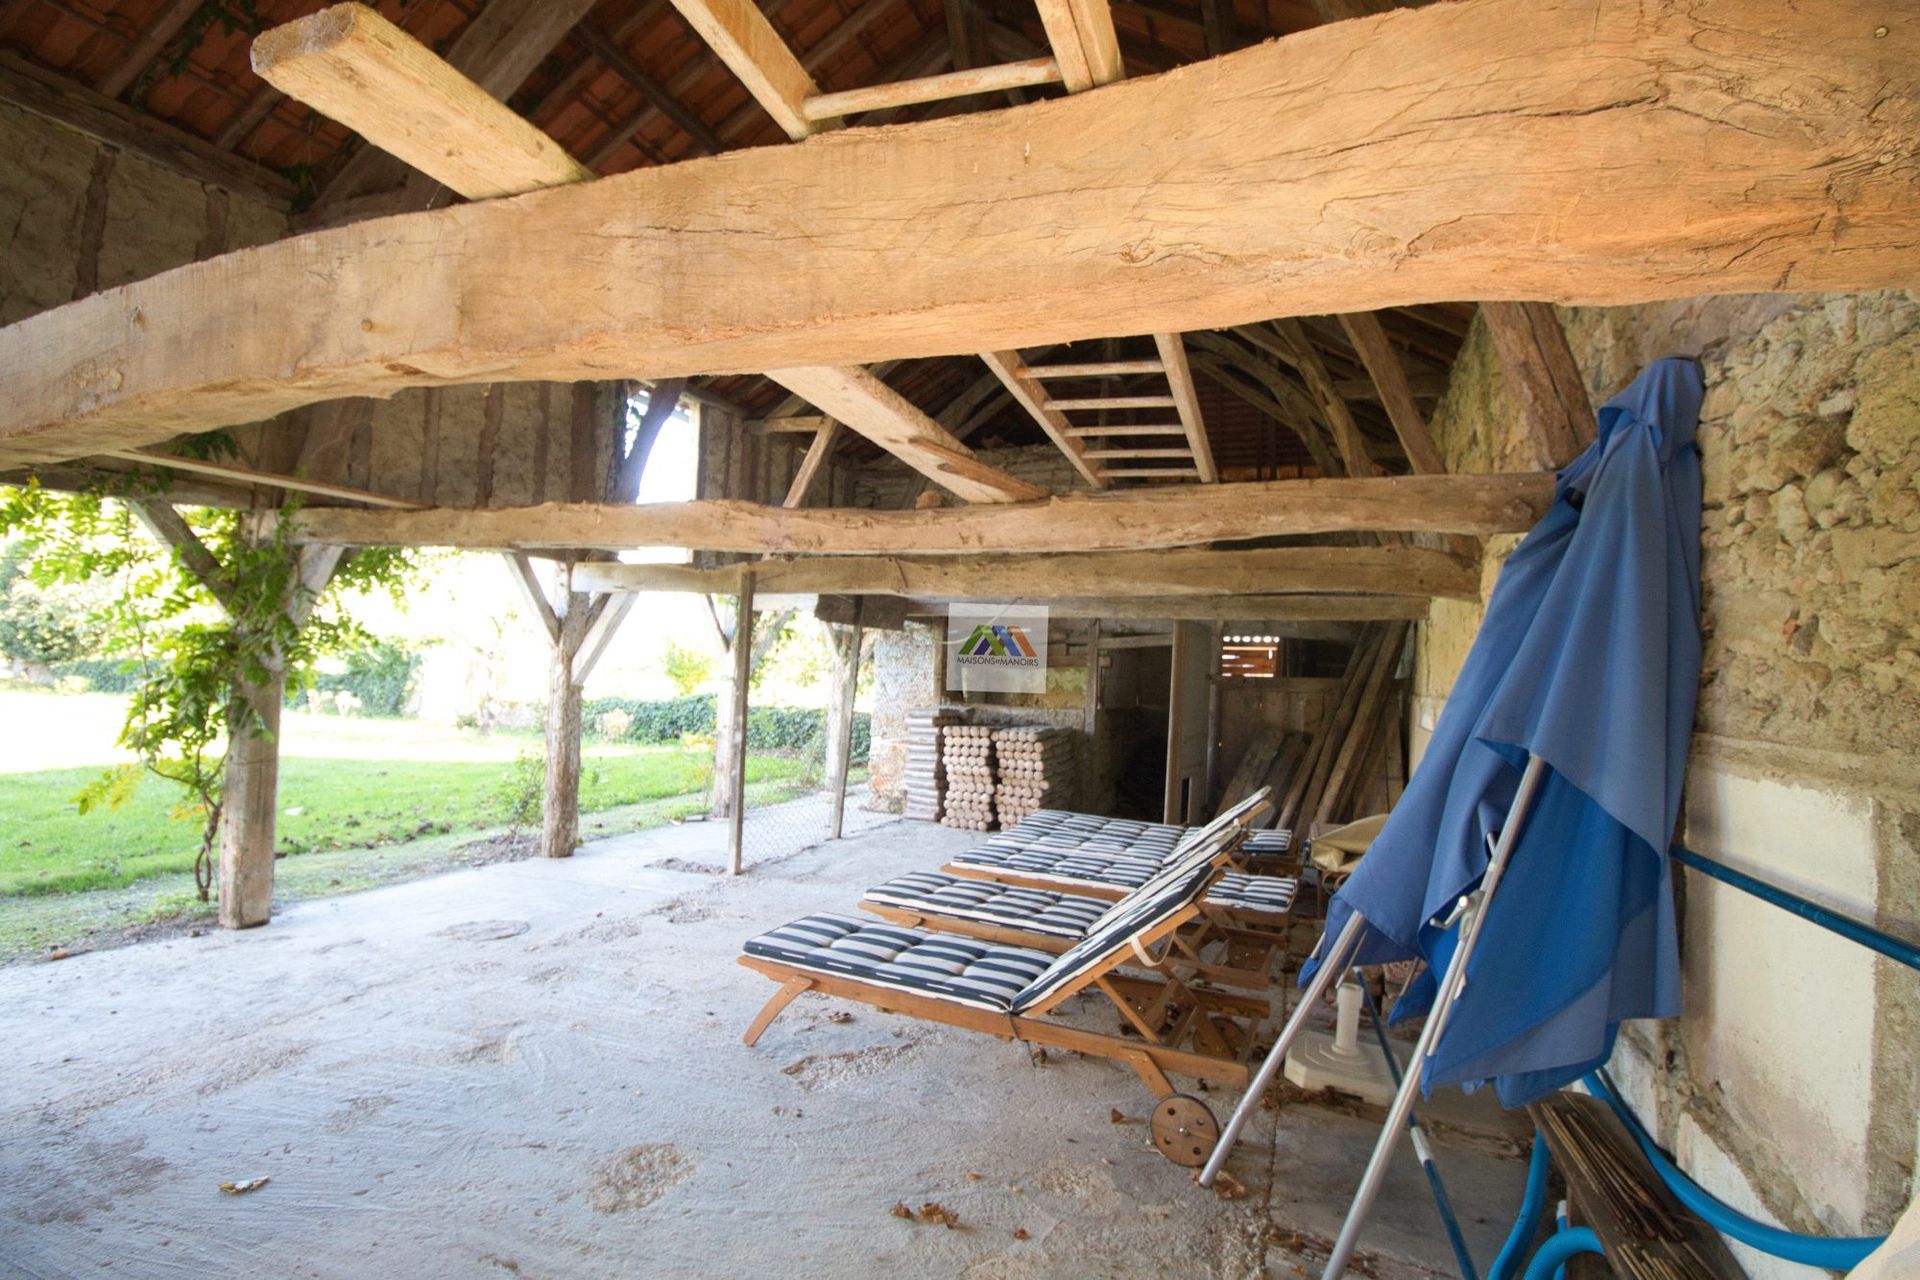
(1588, 661)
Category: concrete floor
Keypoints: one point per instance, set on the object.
(535, 1069)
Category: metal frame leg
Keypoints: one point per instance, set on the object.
(1332, 965)
(1450, 988)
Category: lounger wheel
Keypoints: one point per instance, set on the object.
(1184, 1130)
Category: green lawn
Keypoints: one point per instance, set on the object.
(344, 784)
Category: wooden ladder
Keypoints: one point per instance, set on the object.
(1172, 449)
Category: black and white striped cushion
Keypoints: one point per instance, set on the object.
(1072, 849)
(1132, 917)
(1264, 895)
(1265, 844)
(1063, 867)
(994, 903)
(1057, 915)
(943, 966)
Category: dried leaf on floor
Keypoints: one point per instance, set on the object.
(900, 1210)
(244, 1185)
(932, 1211)
(1228, 1187)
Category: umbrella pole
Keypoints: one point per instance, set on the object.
(1450, 987)
(1331, 967)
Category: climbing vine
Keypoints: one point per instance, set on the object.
(195, 637)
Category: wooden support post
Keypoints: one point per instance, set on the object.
(840, 715)
(560, 805)
(742, 675)
(1545, 380)
(250, 801)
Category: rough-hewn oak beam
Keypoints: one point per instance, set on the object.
(1395, 570)
(352, 65)
(1268, 610)
(1174, 517)
(1421, 155)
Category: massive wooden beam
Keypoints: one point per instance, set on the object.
(859, 399)
(1167, 517)
(1278, 612)
(1166, 573)
(352, 65)
(1422, 155)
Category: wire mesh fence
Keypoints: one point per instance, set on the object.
(790, 786)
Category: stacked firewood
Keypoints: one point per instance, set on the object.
(967, 752)
(1038, 769)
(926, 775)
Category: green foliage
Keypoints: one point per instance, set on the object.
(688, 669)
(41, 624)
(799, 658)
(522, 795)
(655, 721)
(100, 675)
(195, 644)
(379, 676)
(768, 728)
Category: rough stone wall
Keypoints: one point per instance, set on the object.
(902, 682)
(1789, 1085)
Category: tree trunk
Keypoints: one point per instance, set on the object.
(560, 808)
(251, 796)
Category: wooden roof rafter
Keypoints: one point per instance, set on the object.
(360, 69)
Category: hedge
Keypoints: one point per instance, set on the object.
(102, 675)
(768, 728)
(380, 676)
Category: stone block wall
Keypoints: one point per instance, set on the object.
(1791, 1084)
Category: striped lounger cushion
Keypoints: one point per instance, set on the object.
(1261, 895)
(981, 974)
(1057, 915)
(985, 975)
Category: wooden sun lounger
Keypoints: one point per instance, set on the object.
(1054, 920)
(1004, 991)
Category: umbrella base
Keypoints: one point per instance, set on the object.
(1317, 1062)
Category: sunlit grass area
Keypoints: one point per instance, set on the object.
(344, 784)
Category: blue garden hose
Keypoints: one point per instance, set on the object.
(1528, 1222)
(1835, 1253)
(1558, 1248)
